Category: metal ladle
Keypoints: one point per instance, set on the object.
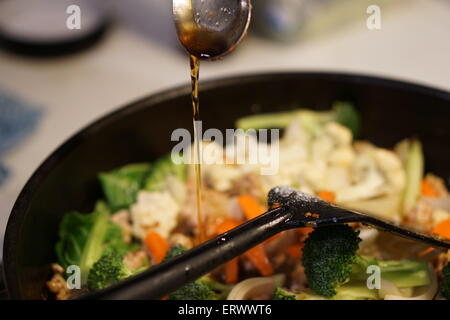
(210, 29)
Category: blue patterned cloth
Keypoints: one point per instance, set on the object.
(17, 120)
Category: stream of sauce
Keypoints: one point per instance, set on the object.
(195, 70)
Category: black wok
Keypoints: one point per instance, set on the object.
(391, 110)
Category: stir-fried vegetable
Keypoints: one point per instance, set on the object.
(330, 261)
(122, 185)
(414, 174)
(250, 206)
(157, 245)
(256, 288)
(149, 215)
(204, 288)
(161, 170)
(328, 196)
(108, 270)
(428, 190)
(85, 237)
(256, 255)
(443, 229)
(232, 271)
(342, 112)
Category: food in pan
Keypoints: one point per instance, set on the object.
(148, 215)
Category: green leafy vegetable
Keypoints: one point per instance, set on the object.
(121, 186)
(342, 112)
(83, 238)
(346, 114)
(414, 174)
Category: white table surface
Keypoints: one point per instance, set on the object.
(414, 44)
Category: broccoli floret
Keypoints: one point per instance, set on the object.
(196, 290)
(204, 288)
(174, 251)
(283, 294)
(328, 256)
(445, 286)
(83, 238)
(108, 270)
(122, 185)
(333, 268)
(221, 290)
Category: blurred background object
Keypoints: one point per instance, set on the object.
(41, 27)
(140, 55)
(290, 20)
(17, 120)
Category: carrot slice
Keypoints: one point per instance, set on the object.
(256, 255)
(428, 190)
(232, 271)
(157, 245)
(273, 238)
(227, 224)
(258, 258)
(425, 252)
(295, 251)
(328, 196)
(443, 229)
(303, 232)
(250, 206)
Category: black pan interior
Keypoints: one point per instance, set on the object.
(390, 111)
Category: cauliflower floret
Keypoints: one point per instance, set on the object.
(341, 135)
(337, 178)
(321, 148)
(440, 215)
(392, 167)
(295, 134)
(342, 156)
(315, 174)
(156, 211)
(368, 180)
(221, 177)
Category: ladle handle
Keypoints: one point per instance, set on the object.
(169, 276)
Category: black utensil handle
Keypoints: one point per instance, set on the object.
(167, 277)
(330, 214)
(407, 233)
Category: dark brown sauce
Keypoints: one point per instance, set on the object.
(195, 71)
(203, 44)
